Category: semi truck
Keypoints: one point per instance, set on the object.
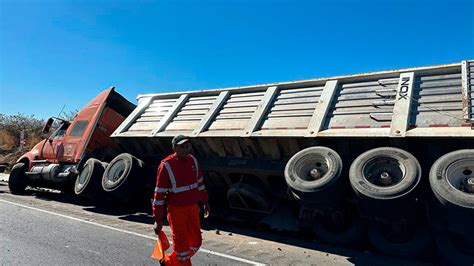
(54, 161)
(385, 157)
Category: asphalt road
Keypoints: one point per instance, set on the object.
(49, 227)
(29, 236)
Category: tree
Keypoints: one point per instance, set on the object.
(69, 115)
(12, 125)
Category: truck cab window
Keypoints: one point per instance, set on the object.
(78, 128)
(61, 130)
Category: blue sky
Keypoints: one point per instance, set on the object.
(64, 52)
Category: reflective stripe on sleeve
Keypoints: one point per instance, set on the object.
(184, 188)
(170, 174)
(201, 187)
(161, 190)
(183, 258)
(184, 253)
(159, 202)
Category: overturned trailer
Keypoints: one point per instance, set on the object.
(387, 156)
(333, 155)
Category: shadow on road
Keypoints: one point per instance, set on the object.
(358, 256)
(139, 218)
(56, 195)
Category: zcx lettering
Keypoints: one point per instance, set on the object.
(404, 88)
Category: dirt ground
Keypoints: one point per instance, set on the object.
(8, 159)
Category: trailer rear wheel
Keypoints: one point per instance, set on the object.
(339, 228)
(18, 180)
(244, 196)
(400, 240)
(122, 176)
(383, 179)
(452, 179)
(88, 182)
(385, 173)
(312, 174)
(104, 165)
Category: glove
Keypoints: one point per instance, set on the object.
(157, 226)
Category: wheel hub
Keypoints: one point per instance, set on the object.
(385, 179)
(384, 171)
(470, 185)
(116, 172)
(315, 174)
(313, 167)
(83, 175)
(459, 175)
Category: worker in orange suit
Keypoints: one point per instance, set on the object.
(179, 185)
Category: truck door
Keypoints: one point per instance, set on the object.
(54, 148)
(73, 139)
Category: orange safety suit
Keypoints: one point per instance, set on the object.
(179, 185)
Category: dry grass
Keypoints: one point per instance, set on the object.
(7, 142)
(9, 147)
(11, 127)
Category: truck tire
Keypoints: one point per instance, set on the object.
(244, 196)
(448, 177)
(18, 180)
(351, 234)
(416, 244)
(122, 176)
(369, 175)
(88, 182)
(104, 165)
(312, 175)
(454, 201)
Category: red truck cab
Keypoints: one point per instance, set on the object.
(54, 162)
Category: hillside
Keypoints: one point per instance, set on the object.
(10, 132)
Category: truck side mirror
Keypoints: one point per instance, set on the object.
(47, 125)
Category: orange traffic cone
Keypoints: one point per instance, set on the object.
(161, 245)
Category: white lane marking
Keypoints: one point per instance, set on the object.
(132, 233)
